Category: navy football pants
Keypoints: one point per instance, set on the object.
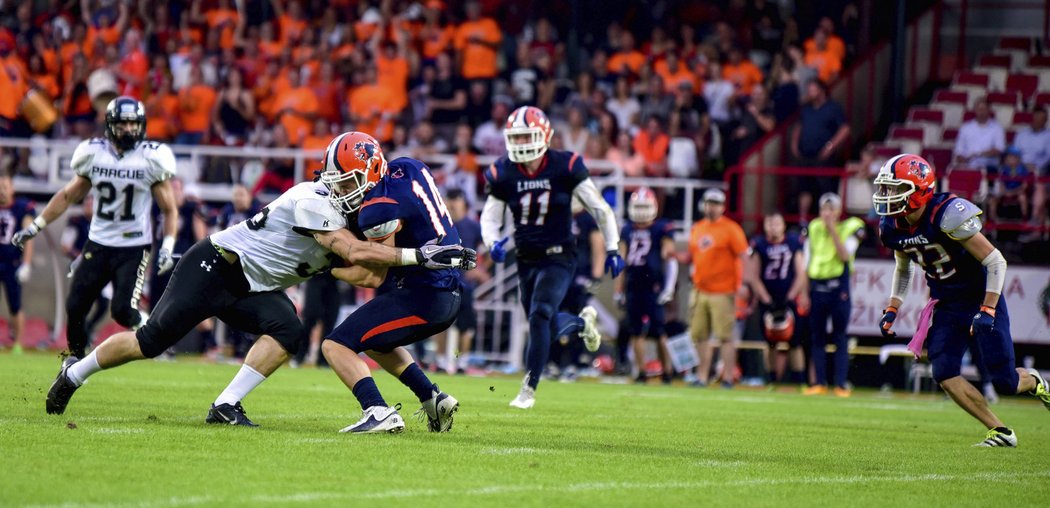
(398, 318)
(543, 286)
(836, 306)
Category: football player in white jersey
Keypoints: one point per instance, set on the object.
(239, 275)
(125, 173)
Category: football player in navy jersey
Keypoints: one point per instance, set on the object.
(649, 280)
(538, 186)
(396, 204)
(965, 273)
(778, 276)
(15, 264)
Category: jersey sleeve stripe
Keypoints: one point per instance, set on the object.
(375, 201)
(572, 161)
(393, 325)
(492, 171)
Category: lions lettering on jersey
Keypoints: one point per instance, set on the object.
(123, 188)
(777, 264)
(276, 247)
(645, 264)
(11, 218)
(541, 203)
(952, 273)
(406, 203)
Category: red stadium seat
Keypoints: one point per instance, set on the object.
(1039, 61)
(1041, 99)
(1010, 134)
(1026, 84)
(1018, 43)
(941, 158)
(885, 151)
(1022, 118)
(949, 135)
(969, 115)
(971, 78)
(906, 132)
(951, 96)
(967, 183)
(991, 60)
(1013, 99)
(926, 115)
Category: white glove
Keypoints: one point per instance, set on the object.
(665, 296)
(21, 237)
(620, 299)
(164, 262)
(23, 273)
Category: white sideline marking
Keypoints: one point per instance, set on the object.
(113, 430)
(513, 451)
(318, 440)
(306, 497)
(720, 463)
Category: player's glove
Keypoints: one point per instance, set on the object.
(23, 272)
(983, 321)
(613, 263)
(620, 299)
(498, 252)
(165, 261)
(665, 296)
(437, 257)
(888, 317)
(22, 236)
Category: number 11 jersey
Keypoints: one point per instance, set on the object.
(123, 188)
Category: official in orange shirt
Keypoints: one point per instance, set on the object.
(739, 71)
(196, 101)
(477, 44)
(718, 248)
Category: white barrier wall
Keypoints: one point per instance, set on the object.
(1023, 292)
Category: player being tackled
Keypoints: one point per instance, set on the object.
(965, 273)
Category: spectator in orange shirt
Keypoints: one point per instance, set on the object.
(436, 34)
(296, 108)
(40, 79)
(835, 44)
(292, 22)
(270, 85)
(741, 72)
(162, 112)
(674, 72)
(196, 102)
(222, 18)
(134, 67)
(317, 140)
(330, 90)
(652, 143)
(76, 104)
(627, 60)
(47, 53)
(717, 248)
(477, 44)
(371, 108)
(392, 66)
(106, 29)
(827, 63)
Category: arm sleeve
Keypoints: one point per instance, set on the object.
(592, 200)
(901, 276)
(492, 220)
(317, 215)
(162, 164)
(995, 264)
(670, 274)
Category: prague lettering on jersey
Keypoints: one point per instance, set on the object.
(540, 203)
(406, 204)
(123, 188)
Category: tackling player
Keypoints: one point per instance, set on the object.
(965, 273)
(777, 271)
(395, 204)
(15, 265)
(126, 174)
(650, 278)
(538, 186)
(239, 275)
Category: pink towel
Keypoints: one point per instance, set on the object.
(915, 345)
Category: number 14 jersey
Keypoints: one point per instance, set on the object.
(123, 188)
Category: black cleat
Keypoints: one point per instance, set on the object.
(229, 414)
(62, 389)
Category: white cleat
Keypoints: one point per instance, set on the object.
(377, 419)
(997, 439)
(439, 411)
(526, 398)
(592, 338)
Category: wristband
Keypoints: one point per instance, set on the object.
(408, 257)
(890, 308)
(988, 310)
(40, 222)
(168, 244)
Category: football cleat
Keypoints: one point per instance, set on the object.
(592, 338)
(377, 419)
(229, 414)
(526, 397)
(815, 390)
(61, 389)
(1042, 388)
(842, 392)
(996, 438)
(439, 410)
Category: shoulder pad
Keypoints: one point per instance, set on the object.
(960, 219)
(382, 231)
(317, 215)
(84, 155)
(161, 160)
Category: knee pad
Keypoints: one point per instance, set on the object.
(543, 310)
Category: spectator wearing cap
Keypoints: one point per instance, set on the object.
(1034, 143)
(717, 250)
(816, 142)
(830, 251)
(981, 140)
(1011, 186)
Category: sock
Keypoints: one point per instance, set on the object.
(568, 325)
(1004, 430)
(414, 378)
(367, 393)
(243, 383)
(83, 369)
(463, 361)
(538, 351)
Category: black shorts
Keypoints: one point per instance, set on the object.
(467, 319)
(12, 288)
(205, 285)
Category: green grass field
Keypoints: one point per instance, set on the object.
(135, 436)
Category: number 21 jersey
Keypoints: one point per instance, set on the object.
(123, 188)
